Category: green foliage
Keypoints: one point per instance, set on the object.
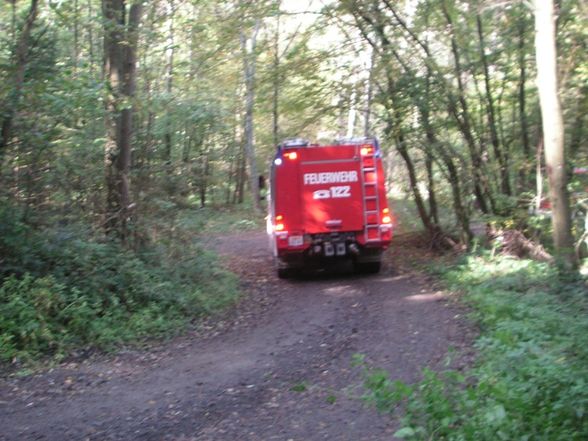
(531, 378)
(299, 387)
(61, 290)
(231, 219)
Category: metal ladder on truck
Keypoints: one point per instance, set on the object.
(371, 200)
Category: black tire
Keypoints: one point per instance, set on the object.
(284, 273)
(368, 267)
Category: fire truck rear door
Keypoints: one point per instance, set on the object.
(331, 191)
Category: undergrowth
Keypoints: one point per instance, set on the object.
(231, 219)
(61, 289)
(530, 381)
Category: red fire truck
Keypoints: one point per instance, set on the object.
(328, 203)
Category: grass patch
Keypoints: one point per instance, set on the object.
(230, 219)
(530, 381)
(300, 387)
(62, 289)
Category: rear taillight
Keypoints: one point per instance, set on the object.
(279, 224)
(386, 218)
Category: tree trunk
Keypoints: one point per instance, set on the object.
(500, 155)
(580, 122)
(539, 174)
(120, 60)
(433, 209)
(369, 95)
(21, 58)
(352, 113)
(169, 81)
(553, 129)
(205, 170)
(461, 213)
(90, 35)
(522, 106)
(393, 128)
(13, 22)
(412, 177)
(76, 26)
(113, 21)
(248, 46)
(462, 117)
(276, 81)
(241, 176)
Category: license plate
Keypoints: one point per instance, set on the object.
(295, 241)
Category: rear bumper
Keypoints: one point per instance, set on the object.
(324, 248)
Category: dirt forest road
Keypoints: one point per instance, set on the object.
(277, 367)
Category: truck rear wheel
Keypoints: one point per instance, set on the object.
(285, 273)
(368, 267)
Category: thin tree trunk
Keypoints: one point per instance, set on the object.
(539, 174)
(580, 122)
(433, 210)
(369, 92)
(248, 46)
(114, 15)
(128, 91)
(341, 123)
(230, 177)
(498, 149)
(277, 80)
(394, 130)
(241, 176)
(522, 103)
(460, 210)
(169, 80)
(414, 187)
(204, 180)
(76, 23)
(351, 114)
(462, 116)
(91, 35)
(187, 144)
(21, 58)
(13, 22)
(120, 46)
(461, 213)
(553, 129)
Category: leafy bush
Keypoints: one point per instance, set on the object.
(531, 379)
(60, 290)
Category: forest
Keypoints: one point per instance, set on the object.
(131, 130)
(119, 119)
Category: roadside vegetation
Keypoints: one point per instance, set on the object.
(530, 378)
(67, 289)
